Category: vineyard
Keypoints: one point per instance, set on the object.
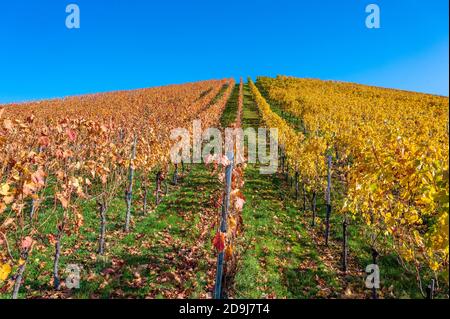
(93, 206)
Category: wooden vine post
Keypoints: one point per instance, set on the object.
(158, 187)
(344, 245)
(223, 225)
(56, 277)
(129, 191)
(304, 196)
(19, 277)
(328, 198)
(375, 262)
(101, 242)
(34, 202)
(144, 203)
(313, 207)
(287, 171)
(175, 175)
(283, 159)
(430, 289)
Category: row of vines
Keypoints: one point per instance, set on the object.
(56, 155)
(386, 152)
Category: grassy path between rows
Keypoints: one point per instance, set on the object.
(279, 259)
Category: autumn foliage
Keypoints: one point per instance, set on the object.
(71, 150)
(390, 159)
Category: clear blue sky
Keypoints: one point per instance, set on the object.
(142, 43)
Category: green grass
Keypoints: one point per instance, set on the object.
(219, 95)
(230, 113)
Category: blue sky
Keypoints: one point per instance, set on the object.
(142, 43)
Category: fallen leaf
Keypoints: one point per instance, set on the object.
(5, 270)
(219, 241)
(26, 242)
